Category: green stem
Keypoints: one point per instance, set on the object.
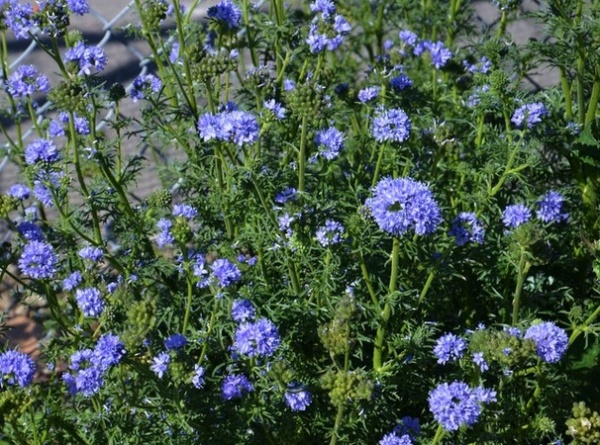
(251, 44)
(387, 310)
(580, 329)
(593, 104)
(480, 126)
(338, 422)
(503, 22)
(564, 82)
(378, 165)
(188, 305)
(522, 270)
(439, 433)
(302, 154)
(211, 324)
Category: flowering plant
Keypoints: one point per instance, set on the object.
(367, 231)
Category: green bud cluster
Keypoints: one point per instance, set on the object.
(69, 95)
(116, 92)
(335, 335)
(13, 403)
(141, 319)
(584, 426)
(347, 386)
(53, 16)
(160, 199)
(502, 347)
(7, 205)
(181, 231)
(500, 83)
(154, 12)
(207, 67)
(306, 99)
(179, 373)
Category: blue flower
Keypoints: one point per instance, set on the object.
(25, 81)
(82, 126)
(186, 211)
(38, 260)
(515, 215)
(467, 228)
(89, 301)
(331, 233)
(479, 360)
(449, 347)
(529, 114)
(242, 310)
(108, 352)
(19, 18)
(550, 208)
(259, 338)
(551, 341)
(87, 57)
(91, 253)
(325, 7)
(400, 82)
(331, 142)
(276, 108)
(408, 37)
(225, 272)
(30, 231)
(72, 281)
(297, 397)
(226, 13)
(394, 439)
(439, 53)
(143, 85)
(287, 194)
(164, 237)
(41, 150)
(19, 191)
(391, 125)
(16, 368)
(79, 7)
(160, 364)
(175, 341)
(88, 379)
(408, 425)
(401, 204)
(456, 404)
(368, 94)
(198, 377)
(236, 386)
(234, 126)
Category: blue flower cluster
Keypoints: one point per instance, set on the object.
(401, 204)
(89, 301)
(515, 215)
(242, 310)
(297, 397)
(160, 364)
(551, 341)
(328, 29)
(82, 126)
(393, 439)
(550, 208)
(38, 260)
(87, 57)
(456, 404)
(390, 125)
(41, 150)
(234, 126)
(529, 114)
(175, 341)
(449, 348)
(467, 228)
(16, 368)
(92, 365)
(225, 273)
(259, 338)
(331, 141)
(25, 81)
(331, 233)
(235, 386)
(226, 13)
(143, 85)
(368, 94)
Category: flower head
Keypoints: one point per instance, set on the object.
(16, 368)
(79, 7)
(160, 364)
(449, 348)
(529, 114)
(242, 310)
(515, 215)
(25, 81)
(108, 352)
(38, 260)
(456, 404)
(297, 397)
(394, 439)
(392, 125)
(89, 301)
(41, 150)
(227, 13)
(225, 272)
(259, 338)
(198, 377)
(19, 191)
(236, 386)
(401, 204)
(466, 228)
(550, 208)
(72, 281)
(368, 94)
(175, 341)
(551, 341)
(87, 57)
(91, 253)
(331, 141)
(144, 85)
(331, 233)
